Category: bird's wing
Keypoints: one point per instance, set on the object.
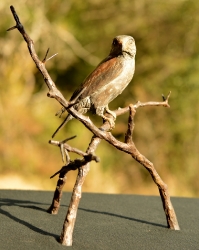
(104, 73)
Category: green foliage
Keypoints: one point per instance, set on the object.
(166, 35)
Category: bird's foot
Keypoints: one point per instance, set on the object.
(111, 121)
(111, 113)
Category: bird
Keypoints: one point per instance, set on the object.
(106, 81)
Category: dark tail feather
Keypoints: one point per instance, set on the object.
(68, 118)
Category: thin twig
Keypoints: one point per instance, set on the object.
(44, 60)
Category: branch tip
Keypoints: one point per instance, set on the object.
(52, 56)
(97, 159)
(166, 98)
(163, 98)
(47, 59)
(19, 26)
(168, 95)
(68, 139)
(12, 28)
(44, 60)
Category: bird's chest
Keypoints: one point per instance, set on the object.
(123, 79)
(115, 87)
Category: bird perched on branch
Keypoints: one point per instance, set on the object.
(107, 81)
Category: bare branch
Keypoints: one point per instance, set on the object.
(69, 148)
(50, 57)
(165, 103)
(47, 59)
(129, 133)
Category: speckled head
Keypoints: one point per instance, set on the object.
(123, 44)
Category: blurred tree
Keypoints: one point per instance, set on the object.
(81, 32)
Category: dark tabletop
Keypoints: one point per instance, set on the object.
(104, 221)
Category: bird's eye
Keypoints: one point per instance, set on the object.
(115, 42)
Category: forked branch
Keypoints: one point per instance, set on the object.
(82, 165)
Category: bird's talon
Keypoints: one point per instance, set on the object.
(111, 113)
(111, 122)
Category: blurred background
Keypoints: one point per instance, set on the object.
(81, 32)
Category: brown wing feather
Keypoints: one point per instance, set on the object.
(105, 72)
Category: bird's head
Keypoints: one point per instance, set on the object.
(123, 44)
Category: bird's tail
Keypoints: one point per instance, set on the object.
(67, 119)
